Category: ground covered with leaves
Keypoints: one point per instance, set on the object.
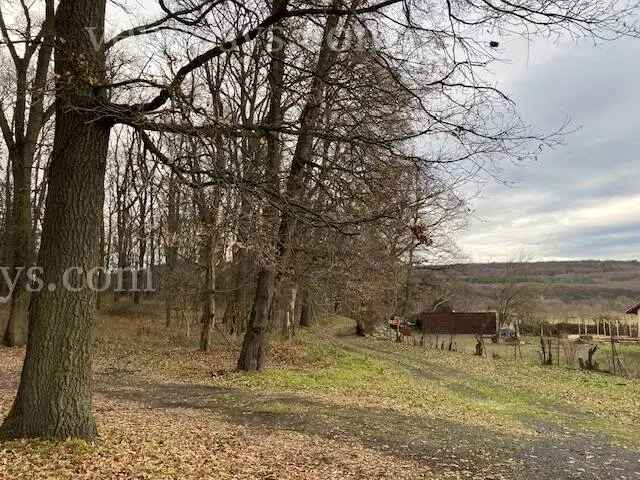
(330, 405)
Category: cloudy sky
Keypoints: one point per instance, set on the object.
(581, 200)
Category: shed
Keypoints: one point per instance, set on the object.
(635, 311)
(458, 323)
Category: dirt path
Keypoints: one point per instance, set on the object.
(441, 447)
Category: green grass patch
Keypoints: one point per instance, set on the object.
(348, 372)
(499, 395)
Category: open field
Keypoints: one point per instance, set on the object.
(529, 351)
(331, 405)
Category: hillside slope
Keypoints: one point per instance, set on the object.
(564, 287)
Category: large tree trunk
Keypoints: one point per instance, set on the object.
(253, 349)
(54, 397)
(21, 247)
(253, 346)
(306, 314)
(209, 307)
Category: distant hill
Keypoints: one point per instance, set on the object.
(583, 267)
(564, 286)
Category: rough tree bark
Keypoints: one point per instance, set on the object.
(54, 397)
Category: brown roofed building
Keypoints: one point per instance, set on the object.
(635, 311)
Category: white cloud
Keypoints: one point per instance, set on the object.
(542, 235)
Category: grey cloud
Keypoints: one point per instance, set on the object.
(599, 165)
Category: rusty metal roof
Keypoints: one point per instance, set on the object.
(633, 310)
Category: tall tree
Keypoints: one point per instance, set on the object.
(252, 353)
(54, 396)
(21, 136)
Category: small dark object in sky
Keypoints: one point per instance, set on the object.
(494, 44)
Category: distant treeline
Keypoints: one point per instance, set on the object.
(584, 267)
(578, 280)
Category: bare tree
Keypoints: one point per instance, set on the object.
(514, 296)
(28, 104)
